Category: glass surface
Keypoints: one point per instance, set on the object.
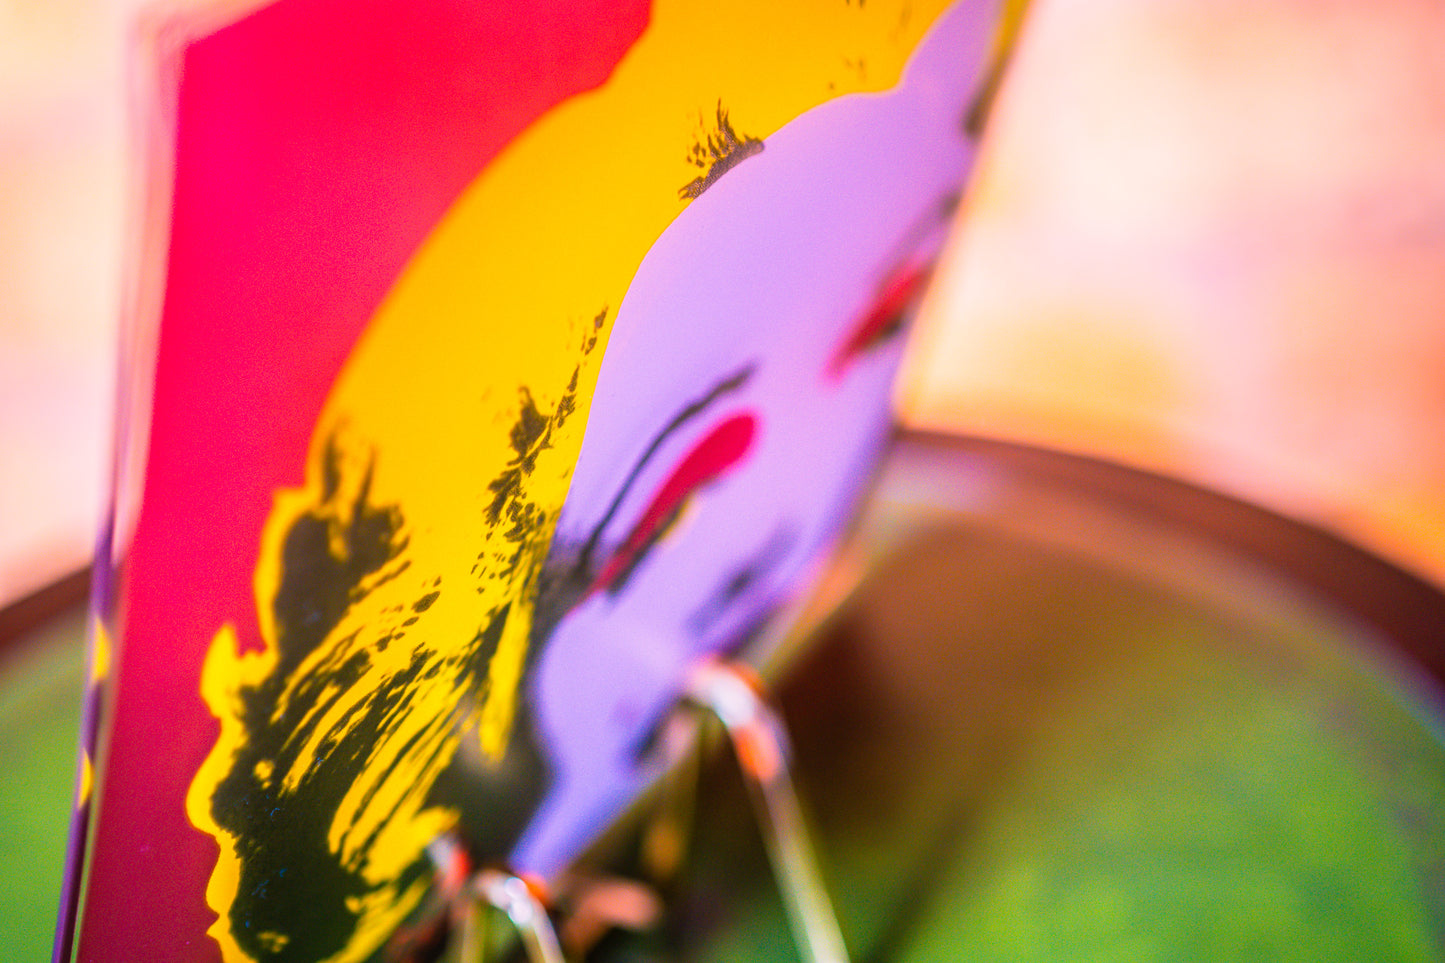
(42, 680)
(1050, 724)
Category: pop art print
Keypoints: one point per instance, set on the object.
(600, 423)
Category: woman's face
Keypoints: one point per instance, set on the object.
(741, 403)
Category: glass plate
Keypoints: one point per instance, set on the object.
(1055, 710)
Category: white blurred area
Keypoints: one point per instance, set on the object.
(1208, 238)
(61, 200)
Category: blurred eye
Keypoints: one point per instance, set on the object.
(884, 318)
(720, 451)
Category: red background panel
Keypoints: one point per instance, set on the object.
(318, 143)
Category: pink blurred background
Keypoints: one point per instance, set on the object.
(1207, 238)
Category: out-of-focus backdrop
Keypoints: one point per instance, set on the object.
(1208, 238)
(62, 166)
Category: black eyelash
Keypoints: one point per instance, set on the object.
(725, 387)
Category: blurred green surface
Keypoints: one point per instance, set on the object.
(1012, 752)
(1018, 755)
(41, 683)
